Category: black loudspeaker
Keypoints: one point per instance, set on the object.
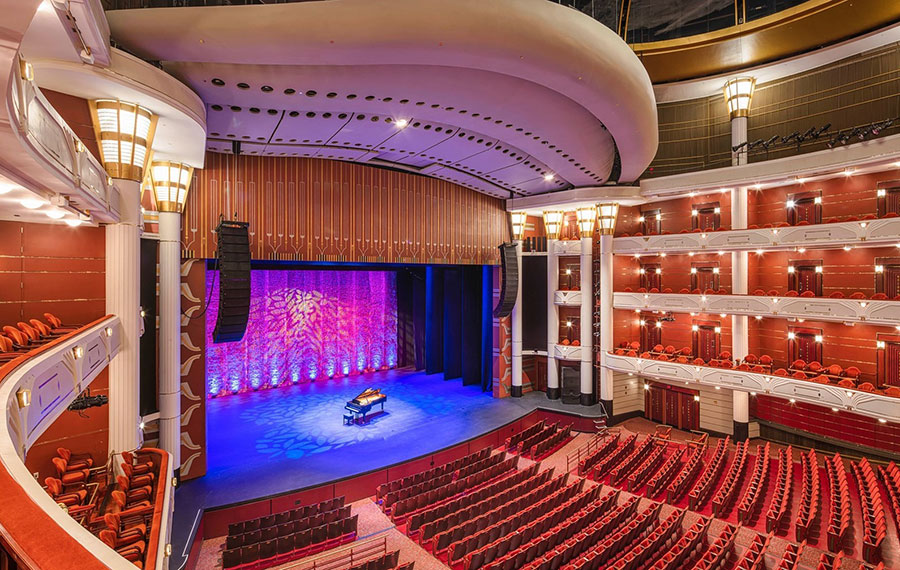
(570, 382)
(510, 288)
(233, 254)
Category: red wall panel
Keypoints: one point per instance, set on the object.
(844, 271)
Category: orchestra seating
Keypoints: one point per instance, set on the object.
(382, 491)
(605, 448)
(809, 495)
(538, 440)
(754, 493)
(839, 520)
(755, 555)
(701, 491)
(274, 539)
(781, 501)
(874, 525)
(725, 494)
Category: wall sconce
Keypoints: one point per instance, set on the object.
(717, 210)
(695, 328)
(789, 203)
(658, 217)
(818, 338)
(694, 212)
(879, 269)
(818, 269)
(693, 270)
(568, 271)
(791, 336)
(553, 221)
(23, 397)
(696, 398)
(659, 324)
(738, 94)
(642, 271)
(646, 386)
(587, 219)
(791, 269)
(881, 192)
(793, 401)
(641, 219)
(658, 271)
(817, 200)
(78, 352)
(879, 344)
(108, 331)
(569, 324)
(168, 550)
(801, 250)
(642, 322)
(26, 70)
(518, 220)
(716, 270)
(718, 330)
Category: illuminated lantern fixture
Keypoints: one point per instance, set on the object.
(553, 222)
(738, 94)
(587, 219)
(607, 214)
(518, 225)
(125, 132)
(23, 397)
(171, 182)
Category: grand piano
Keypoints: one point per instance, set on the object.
(358, 407)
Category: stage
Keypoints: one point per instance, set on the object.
(274, 441)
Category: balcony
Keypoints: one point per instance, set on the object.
(567, 298)
(877, 312)
(870, 404)
(862, 233)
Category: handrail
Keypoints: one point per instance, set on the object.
(55, 373)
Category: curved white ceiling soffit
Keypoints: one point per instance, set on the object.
(540, 83)
(181, 127)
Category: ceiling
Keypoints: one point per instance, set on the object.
(547, 101)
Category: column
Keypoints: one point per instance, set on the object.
(606, 320)
(170, 335)
(516, 324)
(741, 415)
(739, 137)
(588, 398)
(123, 299)
(739, 278)
(553, 390)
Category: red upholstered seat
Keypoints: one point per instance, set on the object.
(667, 290)
(758, 368)
(635, 345)
(780, 372)
(891, 215)
(879, 297)
(799, 375)
(744, 367)
(662, 357)
(625, 234)
(670, 349)
(631, 353)
(837, 295)
(767, 225)
(851, 372)
(684, 231)
(699, 361)
(858, 295)
(803, 223)
(807, 294)
(642, 290)
(847, 383)
(773, 293)
(792, 294)
(870, 217)
(725, 355)
(684, 291)
(638, 234)
(851, 219)
(821, 379)
(759, 292)
(765, 359)
(646, 355)
(835, 369)
(695, 292)
(799, 364)
(53, 320)
(832, 220)
(750, 358)
(782, 225)
(565, 342)
(753, 227)
(892, 391)
(696, 231)
(658, 348)
(714, 362)
(866, 387)
(619, 352)
(686, 351)
(709, 292)
(653, 290)
(682, 360)
(18, 337)
(721, 292)
(814, 366)
(628, 289)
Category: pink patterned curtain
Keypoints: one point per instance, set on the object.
(305, 325)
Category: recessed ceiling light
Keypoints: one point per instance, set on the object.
(401, 123)
(74, 223)
(5, 188)
(549, 176)
(31, 203)
(55, 214)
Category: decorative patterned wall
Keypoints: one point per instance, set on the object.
(502, 329)
(193, 369)
(325, 210)
(306, 325)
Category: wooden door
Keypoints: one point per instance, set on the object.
(706, 342)
(705, 278)
(654, 403)
(892, 363)
(891, 281)
(672, 409)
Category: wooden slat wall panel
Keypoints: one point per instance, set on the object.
(322, 210)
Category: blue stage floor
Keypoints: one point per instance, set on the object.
(274, 441)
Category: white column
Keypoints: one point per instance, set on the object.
(587, 321)
(739, 137)
(123, 299)
(606, 319)
(553, 391)
(516, 323)
(170, 335)
(741, 404)
(739, 272)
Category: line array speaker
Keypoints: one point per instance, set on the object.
(510, 287)
(233, 254)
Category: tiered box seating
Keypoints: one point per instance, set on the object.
(585, 465)
(662, 477)
(418, 478)
(756, 489)
(755, 555)
(781, 501)
(809, 495)
(725, 495)
(688, 546)
(680, 485)
(698, 495)
(874, 525)
(839, 519)
(476, 546)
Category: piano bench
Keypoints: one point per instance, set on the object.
(348, 419)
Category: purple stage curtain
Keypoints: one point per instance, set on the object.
(305, 325)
